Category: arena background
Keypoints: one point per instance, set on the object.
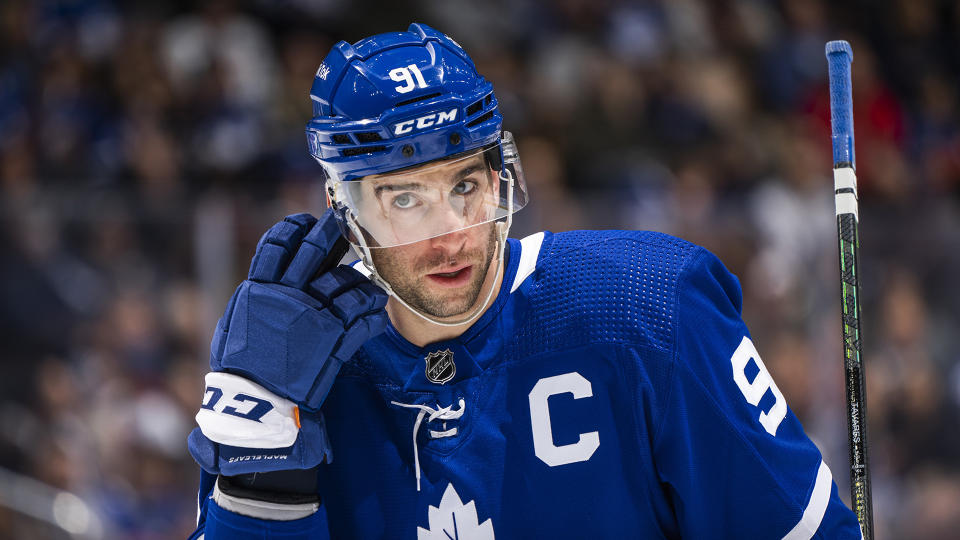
(144, 147)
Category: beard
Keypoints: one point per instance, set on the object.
(406, 277)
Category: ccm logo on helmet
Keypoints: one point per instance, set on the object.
(429, 120)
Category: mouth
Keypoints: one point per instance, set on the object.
(455, 278)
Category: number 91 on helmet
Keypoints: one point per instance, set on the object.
(409, 138)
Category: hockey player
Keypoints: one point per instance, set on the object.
(572, 385)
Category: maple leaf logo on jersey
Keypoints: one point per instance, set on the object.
(455, 520)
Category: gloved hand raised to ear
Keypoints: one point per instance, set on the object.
(289, 329)
(277, 349)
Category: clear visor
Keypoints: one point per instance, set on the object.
(437, 198)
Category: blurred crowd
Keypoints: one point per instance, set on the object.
(144, 147)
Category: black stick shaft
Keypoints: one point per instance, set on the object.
(860, 492)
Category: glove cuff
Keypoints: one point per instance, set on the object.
(237, 495)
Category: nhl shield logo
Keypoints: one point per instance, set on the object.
(440, 367)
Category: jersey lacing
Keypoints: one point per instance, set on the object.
(440, 413)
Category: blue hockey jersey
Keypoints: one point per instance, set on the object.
(610, 391)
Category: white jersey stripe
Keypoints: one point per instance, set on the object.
(529, 252)
(816, 507)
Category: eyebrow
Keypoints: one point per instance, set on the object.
(417, 186)
(467, 171)
(409, 186)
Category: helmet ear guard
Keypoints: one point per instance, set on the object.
(494, 157)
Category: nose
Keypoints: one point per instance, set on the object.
(450, 243)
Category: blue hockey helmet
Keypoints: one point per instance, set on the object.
(392, 106)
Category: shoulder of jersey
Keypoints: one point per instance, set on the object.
(591, 287)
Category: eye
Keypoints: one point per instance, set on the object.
(404, 201)
(464, 187)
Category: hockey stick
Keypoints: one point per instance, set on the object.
(839, 56)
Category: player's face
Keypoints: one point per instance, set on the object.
(441, 276)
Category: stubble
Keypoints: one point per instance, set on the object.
(408, 281)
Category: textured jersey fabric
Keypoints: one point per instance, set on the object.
(610, 391)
